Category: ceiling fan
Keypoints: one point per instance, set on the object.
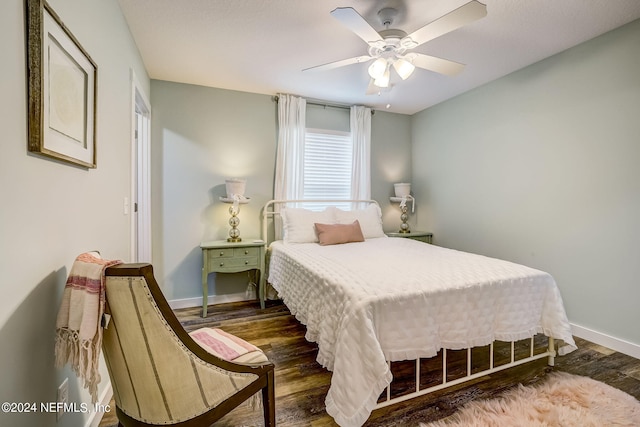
(391, 48)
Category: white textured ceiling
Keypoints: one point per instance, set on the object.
(262, 46)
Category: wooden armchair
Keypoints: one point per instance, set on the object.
(159, 373)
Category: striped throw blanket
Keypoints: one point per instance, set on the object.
(78, 326)
(227, 346)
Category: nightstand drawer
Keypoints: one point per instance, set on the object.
(233, 252)
(234, 263)
(246, 252)
(220, 253)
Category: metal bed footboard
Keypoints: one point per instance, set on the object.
(550, 353)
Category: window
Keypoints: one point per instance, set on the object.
(328, 159)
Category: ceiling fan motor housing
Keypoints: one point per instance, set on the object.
(391, 43)
(387, 15)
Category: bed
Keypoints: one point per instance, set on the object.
(367, 302)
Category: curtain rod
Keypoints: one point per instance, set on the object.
(324, 104)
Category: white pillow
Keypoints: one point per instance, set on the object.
(298, 224)
(370, 219)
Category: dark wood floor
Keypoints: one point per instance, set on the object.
(301, 383)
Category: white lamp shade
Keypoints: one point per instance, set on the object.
(382, 81)
(235, 187)
(377, 68)
(402, 189)
(404, 68)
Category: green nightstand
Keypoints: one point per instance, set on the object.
(421, 236)
(220, 256)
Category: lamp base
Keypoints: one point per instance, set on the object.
(234, 221)
(404, 227)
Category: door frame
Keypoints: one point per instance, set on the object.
(140, 211)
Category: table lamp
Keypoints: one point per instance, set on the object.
(235, 188)
(402, 192)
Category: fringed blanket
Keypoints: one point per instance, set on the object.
(78, 327)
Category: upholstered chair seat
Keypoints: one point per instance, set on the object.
(160, 374)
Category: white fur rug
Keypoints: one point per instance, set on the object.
(563, 400)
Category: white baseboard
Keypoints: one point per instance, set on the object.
(105, 398)
(213, 299)
(608, 341)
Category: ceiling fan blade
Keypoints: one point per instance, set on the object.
(433, 63)
(453, 20)
(337, 64)
(356, 23)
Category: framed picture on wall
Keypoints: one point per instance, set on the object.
(61, 90)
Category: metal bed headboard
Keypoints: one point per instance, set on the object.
(270, 212)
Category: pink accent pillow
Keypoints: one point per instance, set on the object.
(333, 234)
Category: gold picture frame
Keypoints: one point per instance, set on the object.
(62, 82)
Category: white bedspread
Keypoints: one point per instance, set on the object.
(398, 299)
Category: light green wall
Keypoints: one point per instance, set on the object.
(327, 117)
(51, 212)
(390, 163)
(200, 136)
(541, 167)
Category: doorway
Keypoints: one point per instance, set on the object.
(141, 176)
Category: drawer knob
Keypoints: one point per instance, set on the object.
(222, 264)
(246, 252)
(246, 262)
(221, 253)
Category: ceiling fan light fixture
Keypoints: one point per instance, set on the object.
(403, 67)
(383, 81)
(378, 68)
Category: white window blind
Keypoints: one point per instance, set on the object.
(327, 166)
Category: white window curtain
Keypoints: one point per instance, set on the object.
(361, 134)
(290, 151)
